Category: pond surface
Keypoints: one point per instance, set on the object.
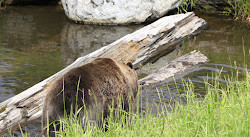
(36, 42)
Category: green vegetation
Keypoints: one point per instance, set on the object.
(238, 8)
(2, 8)
(209, 8)
(3, 109)
(186, 5)
(223, 112)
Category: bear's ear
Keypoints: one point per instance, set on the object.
(130, 65)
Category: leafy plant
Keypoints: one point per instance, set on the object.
(239, 9)
(186, 5)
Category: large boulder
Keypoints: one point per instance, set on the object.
(117, 11)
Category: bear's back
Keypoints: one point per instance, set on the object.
(93, 86)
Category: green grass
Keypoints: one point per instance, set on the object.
(237, 8)
(1, 3)
(186, 5)
(225, 111)
(240, 9)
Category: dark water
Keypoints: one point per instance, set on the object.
(226, 43)
(36, 42)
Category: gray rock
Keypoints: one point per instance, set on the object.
(117, 11)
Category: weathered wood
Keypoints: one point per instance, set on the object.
(139, 47)
(175, 69)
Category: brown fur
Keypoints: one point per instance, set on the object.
(100, 82)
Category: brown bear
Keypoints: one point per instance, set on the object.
(100, 84)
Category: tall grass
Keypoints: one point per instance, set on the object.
(1, 3)
(240, 9)
(186, 5)
(223, 112)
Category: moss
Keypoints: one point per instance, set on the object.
(3, 109)
(209, 8)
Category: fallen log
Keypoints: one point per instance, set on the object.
(175, 69)
(149, 42)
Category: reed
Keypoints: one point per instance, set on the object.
(1, 3)
(186, 5)
(239, 9)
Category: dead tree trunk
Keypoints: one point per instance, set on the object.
(175, 69)
(139, 47)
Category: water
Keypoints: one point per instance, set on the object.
(224, 43)
(36, 42)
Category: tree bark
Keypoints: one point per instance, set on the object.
(149, 42)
